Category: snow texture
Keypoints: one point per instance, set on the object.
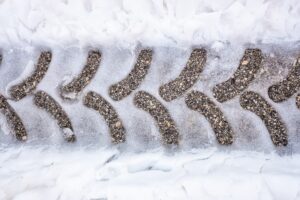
(48, 168)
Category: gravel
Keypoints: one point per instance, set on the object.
(84, 78)
(187, 78)
(166, 124)
(115, 124)
(198, 101)
(125, 87)
(21, 90)
(13, 119)
(46, 102)
(257, 104)
(283, 90)
(242, 77)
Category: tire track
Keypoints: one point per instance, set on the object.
(198, 101)
(115, 124)
(46, 102)
(133, 80)
(166, 124)
(242, 77)
(19, 91)
(71, 90)
(298, 100)
(13, 119)
(283, 90)
(187, 77)
(257, 104)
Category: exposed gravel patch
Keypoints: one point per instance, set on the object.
(198, 101)
(283, 90)
(115, 124)
(125, 87)
(21, 90)
(257, 104)
(13, 119)
(187, 78)
(166, 124)
(298, 101)
(70, 90)
(47, 103)
(242, 77)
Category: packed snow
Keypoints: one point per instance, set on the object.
(45, 167)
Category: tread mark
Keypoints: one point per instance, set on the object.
(21, 90)
(283, 90)
(70, 90)
(166, 124)
(45, 101)
(187, 77)
(124, 88)
(13, 119)
(257, 104)
(198, 101)
(298, 100)
(242, 77)
(98, 103)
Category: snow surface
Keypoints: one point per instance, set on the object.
(150, 22)
(48, 168)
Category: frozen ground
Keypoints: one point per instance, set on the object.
(48, 168)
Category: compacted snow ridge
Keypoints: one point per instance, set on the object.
(46, 167)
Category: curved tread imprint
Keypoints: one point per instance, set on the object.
(283, 90)
(255, 103)
(70, 90)
(98, 103)
(198, 101)
(13, 119)
(242, 77)
(125, 87)
(187, 77)
(19, 91)
(298, 100)
(166, 124)
(46, 102)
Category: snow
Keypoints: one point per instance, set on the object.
(37, 173)
(45, 167)
(148, 22)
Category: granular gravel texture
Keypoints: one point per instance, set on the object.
(13, 119)
(46, 102)
(298, 100)
(85, 76)
(198, 101)
(187, 78)
(19, 91)
(242, 77)
(257, 104)
(125, 87)
(166, 124)
(115, 124)
(283, 90)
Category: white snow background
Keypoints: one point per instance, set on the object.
(48, 168)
